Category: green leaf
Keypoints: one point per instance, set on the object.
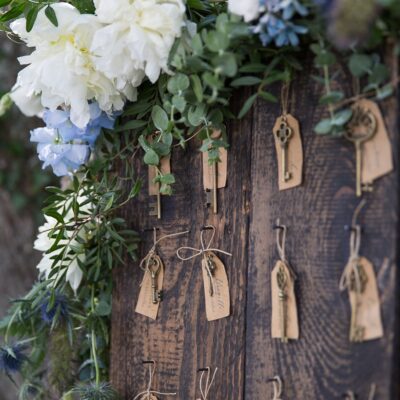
(167, 179)
(379, 74)
(179, 103)
(323, 127)
(197, 87)
(384, 92)
(196, 115)
(246, 81)
(325, 58)
(216, 41)
(151, 157)
(160, 118)
(51, 15)
(268, 97)
(54, 214)
(135, 189)
(342, 117)
(13, 13)
(31, 18)
(178, 83)
(360, 64)
(226, 64)
(247, 105)
(332, 97)
(4, 3)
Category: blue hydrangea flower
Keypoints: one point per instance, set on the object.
(12, 358)
(276, 25)
(60, 308)
(63, 157)
(282, 32)
(64, 146)
(60, 120)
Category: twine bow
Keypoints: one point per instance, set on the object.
(148, 392)
(208, 383)
(351, 271)
(203, 251)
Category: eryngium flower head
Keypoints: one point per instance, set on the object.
(12, 358)
(94, 391)
(59, 308)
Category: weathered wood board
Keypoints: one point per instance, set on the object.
(322, 364)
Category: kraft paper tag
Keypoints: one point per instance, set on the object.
(149, 397)
(292, 325)
(145, 304)
(377, 158)
(165, 168)
(366, 305)
(222, 168)
(294, 154)
(217, 305)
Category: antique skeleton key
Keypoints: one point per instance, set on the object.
(282, 285)
(358, 282)
(362, 127)
(154, 268)
(155, 208)
(283, 134)
(212, 194)
(210, 271)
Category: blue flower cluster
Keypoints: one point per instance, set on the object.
(12, 358)
(59, 308)
(275, 25)
(64, 146)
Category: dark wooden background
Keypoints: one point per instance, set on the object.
(322, 364)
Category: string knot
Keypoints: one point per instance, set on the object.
(203, 251)
(145, 395)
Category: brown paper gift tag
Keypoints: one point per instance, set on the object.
(292, 325)
(145, 304)
(222, 168)
(368, 315)
(377, 158)
(165, 168)
(217, 306)
(149, 397)
(294, 154)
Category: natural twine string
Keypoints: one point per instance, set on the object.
(285, 98)
(203, 251)
(281, 245)
(355, 244)
(148, 392)
(146, 259)
(209, 382)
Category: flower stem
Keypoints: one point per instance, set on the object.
(94, 345)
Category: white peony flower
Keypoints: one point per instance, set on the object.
(44, 243)
(248, 9)
(137, 39)
(61, 70)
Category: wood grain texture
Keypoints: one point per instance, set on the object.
(181, 340)
(322, 365)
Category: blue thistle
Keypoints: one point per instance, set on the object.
(12, 358)
(96, 391)
(59, 307)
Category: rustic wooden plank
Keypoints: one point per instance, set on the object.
(181, 340)
(322, 364)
